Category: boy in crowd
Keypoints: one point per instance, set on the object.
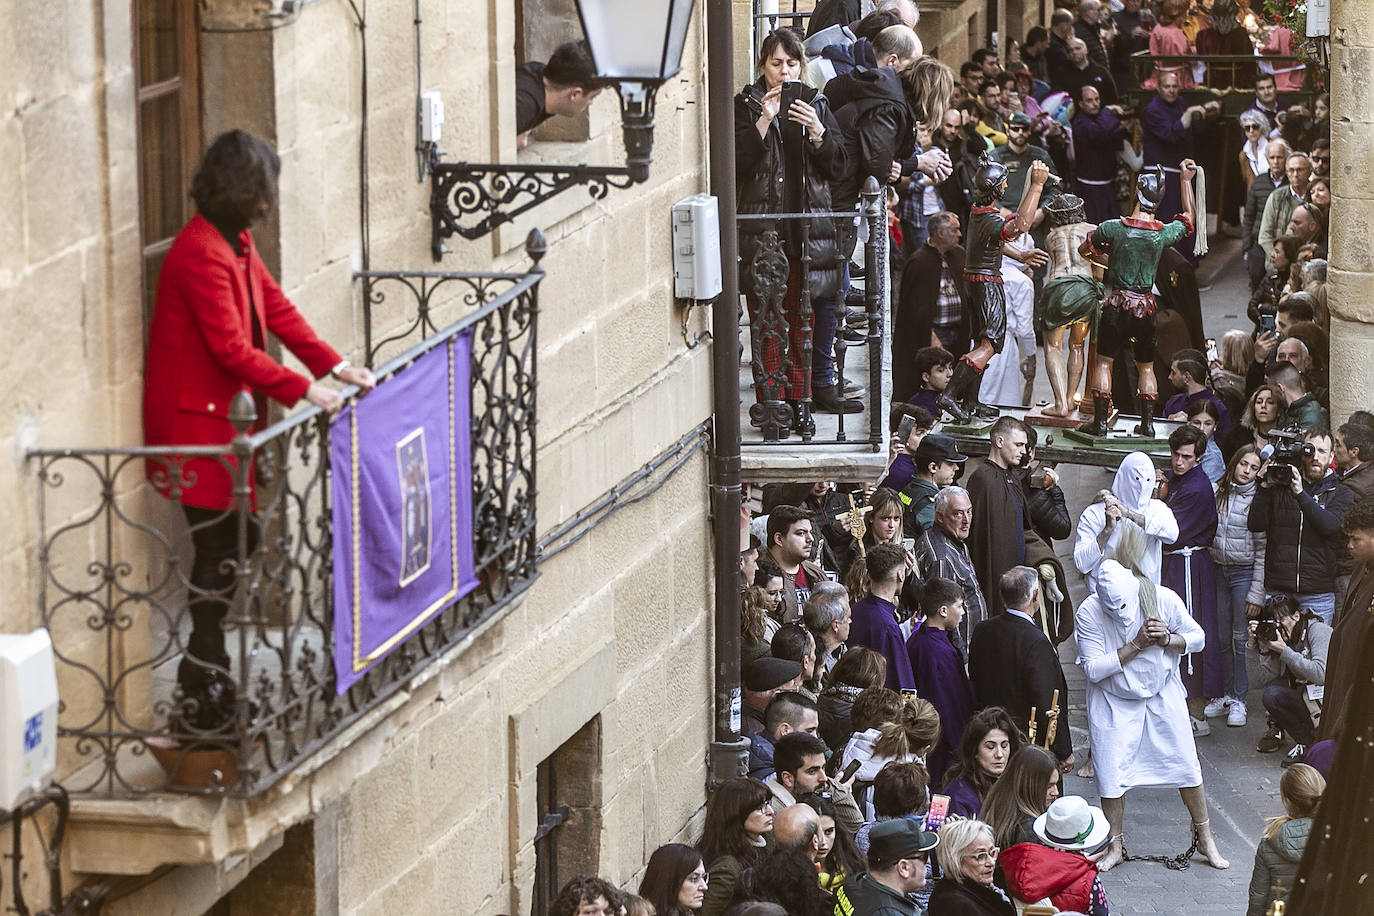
(939, 669)
(934, 367)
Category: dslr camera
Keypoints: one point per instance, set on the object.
(1267, 627)
(1286, 451)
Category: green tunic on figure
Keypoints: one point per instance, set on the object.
(1133, 247)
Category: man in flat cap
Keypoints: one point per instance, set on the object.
(897, 853)
(764, 678)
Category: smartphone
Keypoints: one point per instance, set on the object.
(939, 809)
(791, 91)
(1213, 355)
(1268, 322)
(904, 429)
(909, 692)
(908, 544)
(850, 770)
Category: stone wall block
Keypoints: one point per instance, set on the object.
(455, 758)
(570, 360)
(414, 891)
(1348, 297)
(12, 204)
(48, 298)
(1352, 85)
(377, 837)
(1351, 359)
(641, 622)
(60, 168)
(1349, 246)
(1352, 161)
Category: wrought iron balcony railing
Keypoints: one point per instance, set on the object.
(116, 586)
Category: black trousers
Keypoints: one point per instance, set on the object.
(215, 535)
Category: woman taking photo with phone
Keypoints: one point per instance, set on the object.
(787, 152)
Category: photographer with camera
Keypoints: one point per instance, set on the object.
(1292, 646)
(1300, 505)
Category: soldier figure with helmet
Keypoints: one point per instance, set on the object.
(1132, 246)
(987, 230)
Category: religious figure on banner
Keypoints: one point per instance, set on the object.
(413, 466)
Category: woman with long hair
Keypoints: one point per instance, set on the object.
(739, 820)
(840, 859)
(858, 669)
(674, 880)
(1260, 416)
(1204, 415)
(1239, 556)
(1276, 859)
(1236, 352)
(990, 739)
(1027, 787)
(753, 624)
(785, 162)
(884, 524)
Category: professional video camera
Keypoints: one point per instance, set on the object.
(1286, 450)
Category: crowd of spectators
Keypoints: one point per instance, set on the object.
(901, 687)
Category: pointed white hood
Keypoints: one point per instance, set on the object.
(1135, 481)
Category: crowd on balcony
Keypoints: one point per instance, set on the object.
(903, 693)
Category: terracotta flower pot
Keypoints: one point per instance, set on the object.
(197, 767)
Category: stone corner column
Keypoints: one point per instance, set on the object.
(1350, 290)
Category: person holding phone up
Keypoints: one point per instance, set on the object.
(787, 152)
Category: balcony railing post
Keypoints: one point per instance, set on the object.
(243, 414)
(875, 281)
(768, 331)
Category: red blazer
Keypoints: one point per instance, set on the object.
(201, 352)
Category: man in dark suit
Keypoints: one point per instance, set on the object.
(931, 305)
(1012, 664)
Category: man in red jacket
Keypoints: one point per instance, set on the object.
(216, 304)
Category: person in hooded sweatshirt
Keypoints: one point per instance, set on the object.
(1131, 497)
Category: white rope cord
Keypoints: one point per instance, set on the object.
(1200, 207)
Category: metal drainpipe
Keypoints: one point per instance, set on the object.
(729, 752)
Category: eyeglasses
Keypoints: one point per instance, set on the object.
(1018, 128)
(1253, 127)
(984, 857)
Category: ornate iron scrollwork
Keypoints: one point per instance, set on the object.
(462, 189)
(768, 337)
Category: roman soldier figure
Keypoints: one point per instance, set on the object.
(987, 231)
(1132, 247)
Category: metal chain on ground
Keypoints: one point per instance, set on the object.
(1179, 862)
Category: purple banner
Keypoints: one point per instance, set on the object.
(402, 492)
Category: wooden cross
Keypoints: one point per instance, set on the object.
(857, 526)
(1053, 716)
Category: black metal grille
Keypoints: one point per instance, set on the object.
(768, 272)
(112, 556)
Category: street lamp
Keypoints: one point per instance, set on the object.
(635, 44)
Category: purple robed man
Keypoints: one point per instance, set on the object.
(941, 679)
(1188, 569)
(1097, 137)
(875, 627)
(1167, 141)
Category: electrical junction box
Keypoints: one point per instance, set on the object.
(696, 248)
(28, 715)
(431, 117)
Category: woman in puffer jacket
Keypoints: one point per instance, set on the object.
(1278, 855)
(1239, 556)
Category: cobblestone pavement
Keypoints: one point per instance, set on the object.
(1242, 785)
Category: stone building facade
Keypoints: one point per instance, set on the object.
(431, 801)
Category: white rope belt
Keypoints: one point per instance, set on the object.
(1187, 554)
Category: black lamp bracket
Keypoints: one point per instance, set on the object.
(497, 193)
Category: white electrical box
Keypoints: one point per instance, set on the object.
(28, 715)
(431, 117)
(696, 248)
